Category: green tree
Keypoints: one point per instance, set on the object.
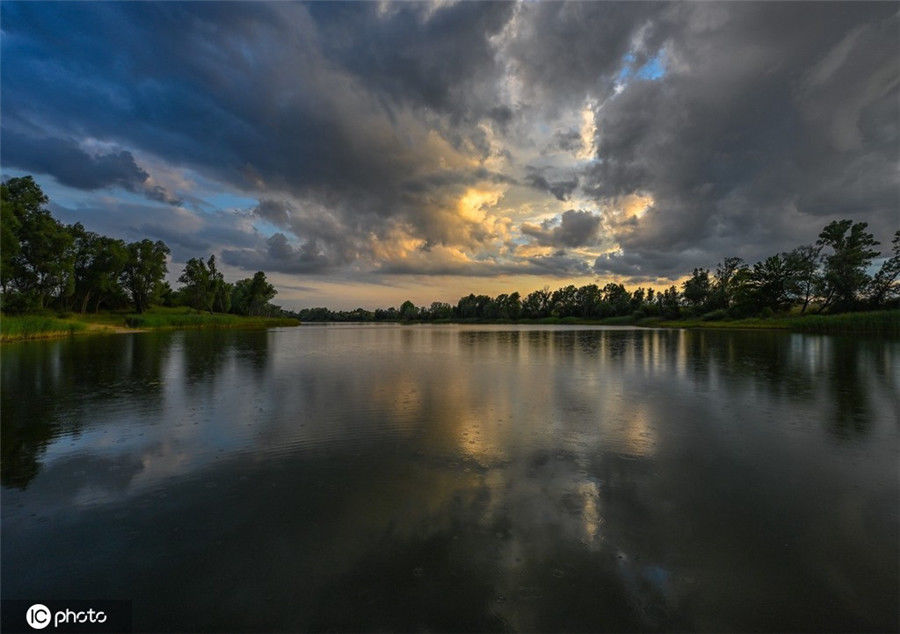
(770, 279)
(845, 277)
(803, 274)
(10, 229)
(537, 304)
(617, 298)
(222, 296)
(563, 302)
(144, 271)
(667, 303)
(440, 310)
(203, 284)
(250, 296)
(587, 301)
(38, 263)
(408, 311)
(723, 287)
(696, 290)
(99, 262)
(511, 307)
(884, 285)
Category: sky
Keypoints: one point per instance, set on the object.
(363, 154)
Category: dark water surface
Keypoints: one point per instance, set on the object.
(389, 478)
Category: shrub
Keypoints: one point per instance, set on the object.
(715, 315)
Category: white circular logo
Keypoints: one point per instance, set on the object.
(38, 616)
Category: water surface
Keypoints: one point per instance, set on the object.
(457, 478)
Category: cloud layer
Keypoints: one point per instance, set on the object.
(373, 141)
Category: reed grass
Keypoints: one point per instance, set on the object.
(15, 327)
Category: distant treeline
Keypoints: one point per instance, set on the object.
(829, 276)
(47, 265)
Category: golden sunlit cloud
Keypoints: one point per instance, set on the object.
(533, 250)
(588, 133)
(475, 202)
(636, 205)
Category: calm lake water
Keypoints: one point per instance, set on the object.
(457, 478)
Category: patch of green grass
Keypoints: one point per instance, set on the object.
(188, 318)
(34, 326)
(15, 327)
(880, 322)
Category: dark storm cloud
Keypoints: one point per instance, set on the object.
(275, 211)
(434, 56)
(567, 51)
(348, 121)
(643, 267)
(337, 105)
(557, 264)
(573, 228)
(770, 120)
(280, 256)
(72, 166)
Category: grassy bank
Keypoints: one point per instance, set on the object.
(16, 327)
(40, 326)
(190, 318)
(543, 321)
(881, 322)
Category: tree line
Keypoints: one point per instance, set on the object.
(45, 264)
(830, 275)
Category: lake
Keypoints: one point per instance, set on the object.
(457, 478)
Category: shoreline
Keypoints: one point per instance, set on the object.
(42, 327)
(878, 323)
(881, 323)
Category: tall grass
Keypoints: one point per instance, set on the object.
(880, 322)
(13, 327)
(196, 319)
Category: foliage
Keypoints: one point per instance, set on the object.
(37, 260)
(881, 322)
(884, 287)
(696, 290)
(98, 265)
(144, 271)
(205, 287)
(251, 296)
(44, 264)
(191, 318)
(13, 327)
(844, 274)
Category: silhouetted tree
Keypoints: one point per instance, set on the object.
(721, 291)
(537, 304)
(884, 287)
(852, 251)
(440, 310)
(803, 267)
(771, 279)
(408, 311)
(696, 289)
